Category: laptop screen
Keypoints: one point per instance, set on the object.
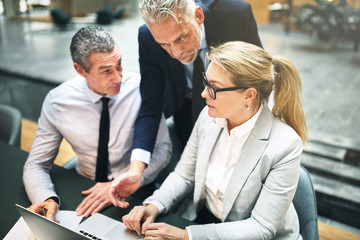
(45, 229)
(96, 227)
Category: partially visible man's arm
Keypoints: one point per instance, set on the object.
(161, 155)
(48, 208)
(141, 173)
(36, 178)
(126, 184)
(152, 93)
(251, 28)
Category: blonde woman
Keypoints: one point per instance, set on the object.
(242, 160)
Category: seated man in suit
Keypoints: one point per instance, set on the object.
(172, 47)
(105, 98)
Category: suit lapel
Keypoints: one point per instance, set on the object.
(203, 157)
(250, 156)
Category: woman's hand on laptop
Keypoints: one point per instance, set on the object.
(96, 200)
(140, 217)
(164, 231)
(48, 208)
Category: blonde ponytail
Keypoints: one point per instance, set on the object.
(287, 96)
(251, 66)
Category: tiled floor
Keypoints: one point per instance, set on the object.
(331, 80)
(32, 51)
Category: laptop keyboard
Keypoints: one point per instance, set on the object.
(88, 235)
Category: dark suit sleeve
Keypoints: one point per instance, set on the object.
(242, 21)
(229, 20)
(152, 94)
(251, 27)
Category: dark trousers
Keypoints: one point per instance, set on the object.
(205, 216)
(145, 191)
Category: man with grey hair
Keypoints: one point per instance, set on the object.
(74, 111)
(172, 57)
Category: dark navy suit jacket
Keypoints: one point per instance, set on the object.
(163, 82)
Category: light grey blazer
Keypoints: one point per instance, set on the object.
(258, 199)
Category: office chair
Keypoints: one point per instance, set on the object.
(71, 164)
(60, 18)
(305, 205)
(10, 125)
(105, 15)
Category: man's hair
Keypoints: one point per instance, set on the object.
(155, 11)
(87, 40)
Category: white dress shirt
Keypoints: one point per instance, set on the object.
(72, 111)
(223, 160)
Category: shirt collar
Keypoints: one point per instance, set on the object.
(244, 128)
(93, 96)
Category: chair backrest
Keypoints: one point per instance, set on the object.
(105, 15)
(60, 18)
(305, 205)
(10, 125)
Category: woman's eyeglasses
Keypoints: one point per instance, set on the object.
(213, 90)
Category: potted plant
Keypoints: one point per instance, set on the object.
(325, 21)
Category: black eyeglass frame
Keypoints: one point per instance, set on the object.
(215, 90)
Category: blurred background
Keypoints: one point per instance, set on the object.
(321, 38)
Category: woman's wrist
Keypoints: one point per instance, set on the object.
(152, 209)
(186, 236)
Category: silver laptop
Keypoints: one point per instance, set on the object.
(96, 227)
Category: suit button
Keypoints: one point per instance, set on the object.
(220, 196)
